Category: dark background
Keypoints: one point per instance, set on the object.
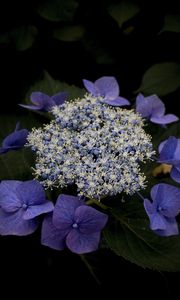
(128, 53)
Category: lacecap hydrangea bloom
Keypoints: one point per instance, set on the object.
(100, 148)
(93, 145)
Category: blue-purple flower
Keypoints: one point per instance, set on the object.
(108, 88)
(164, 208)
(169, 153)
(153, 109)
(14, 140)
(74, 225)
(43, 102)
(21, 202)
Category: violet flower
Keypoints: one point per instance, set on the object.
(20, 204)
(153, 109)
(108, 88)
(169, 153)
(73, 224)
(14, 140)
(44, 102)
(164, 208)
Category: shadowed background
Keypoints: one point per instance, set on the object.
(73, 40)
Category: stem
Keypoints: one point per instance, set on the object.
(155, 157)
(142, 198)
(89, 268)
(98, 203)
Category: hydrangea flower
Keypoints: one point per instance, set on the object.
(14, 140)
(169, 151)
(43, 102)
(164, 208)
(153, 109)
(74, 225)
(108, 88)
(20, 204)
(93, 146)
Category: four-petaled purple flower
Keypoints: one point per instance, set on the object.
(20, 204)
(153, 109)
(14, 140)
(169, 151)
(164, 208)
(44, 102)
(73, 224)
(108, 88)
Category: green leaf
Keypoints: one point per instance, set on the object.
(16, 164)
(123, 11)
(171, 23)
(94, 47)
(58, 10)
(69, 33)
(132, 239)
(52, 86)
(22, 37)
(161, 79)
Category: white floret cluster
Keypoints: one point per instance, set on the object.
(93, 145)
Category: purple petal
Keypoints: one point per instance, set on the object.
(81, 243)
(63, 216)
(34, 211)
(16, 139)
(39, 98)
(89, 219)
(60, 98)
(157, 193)
(166, 119)
(175, 173)
(108, 87)
(157, 222)
(161, 145)
(142, 106)
(177, 151)
(13, 224)
(12, 185)
(90, 87)
(150, 106)
(4, 150)
(119, 101)
(157, 106)
(42, 102)
(167, 198)
(51, 236)
(9, 201)
(32, 193)
(17, 126)
(47, 105)
(171, 228)
(32, 107)
(149, 207)
(167, 149)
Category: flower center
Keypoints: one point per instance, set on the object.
(75, 225)
(24, 205)
(160, 208)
